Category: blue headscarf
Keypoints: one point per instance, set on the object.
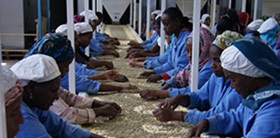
(54, 45)
(260, 55)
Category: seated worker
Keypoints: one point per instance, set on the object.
(181, 82)
(97, 47)
(253, 69)
(152, 40)
(150, 62)
(205, 21)
(83, 83)
(12, 91)
(40, 77)
(153, 51)
(81, 68)
(214, 97)
(72, 108)
(172, 19)
(84, 37)
(103, 37)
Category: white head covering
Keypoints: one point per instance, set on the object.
(158, 16)
(204, 17)
(255, 25)
(233, 60)
(156, 12)
(9, 86)
(82, 28)
(62, 29)
(39, 68)
(268, 25)
(91, 15)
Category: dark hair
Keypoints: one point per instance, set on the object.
(174, 13)
(225, 23)
(158, 21)
(100, 16)
(233, 15)
(187, 23)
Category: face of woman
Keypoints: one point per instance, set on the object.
(215, 54)
(14, 117)
(43, 94)
(64, 67)
(189, 51)
(242, 84)
(84, 39)
(170, 26)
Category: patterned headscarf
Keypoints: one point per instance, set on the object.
(223, 40)
(206, 37)
(10, 86)
(54, 45)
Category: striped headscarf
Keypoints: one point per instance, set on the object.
(54, 45)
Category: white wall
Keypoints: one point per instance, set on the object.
(12, 23)
(186, 6)
(270, 7)
(115, 8)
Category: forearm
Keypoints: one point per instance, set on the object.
(107, 87)
(178, 116)
(99, 76)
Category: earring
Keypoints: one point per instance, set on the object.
(30, 95)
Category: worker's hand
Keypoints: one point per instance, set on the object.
(146, 74)
(171, 103)
(107, 110)
(109, 65)
(154, 78)
(199, 129)
(109, 74)
(149, 94)
(120, 78)
(164, 114)
(97, 103)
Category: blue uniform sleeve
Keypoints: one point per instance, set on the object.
(155, 62)
(58, 127)
(95, 48)
(99, 36)
(150, 45)
(83, 84)
(231, 101)
(154, 36)
(46, 124)
(81, 69)
(176, 91)
(181, 64)
(228, 122)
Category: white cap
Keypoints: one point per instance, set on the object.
(255, 25)
(39, 68)
(157, 12)
(268, 25)
(204, 17)
(62, 29)
(82, 28)
(233, 60)
(91, 15)
(158, 16)
(8, 80)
